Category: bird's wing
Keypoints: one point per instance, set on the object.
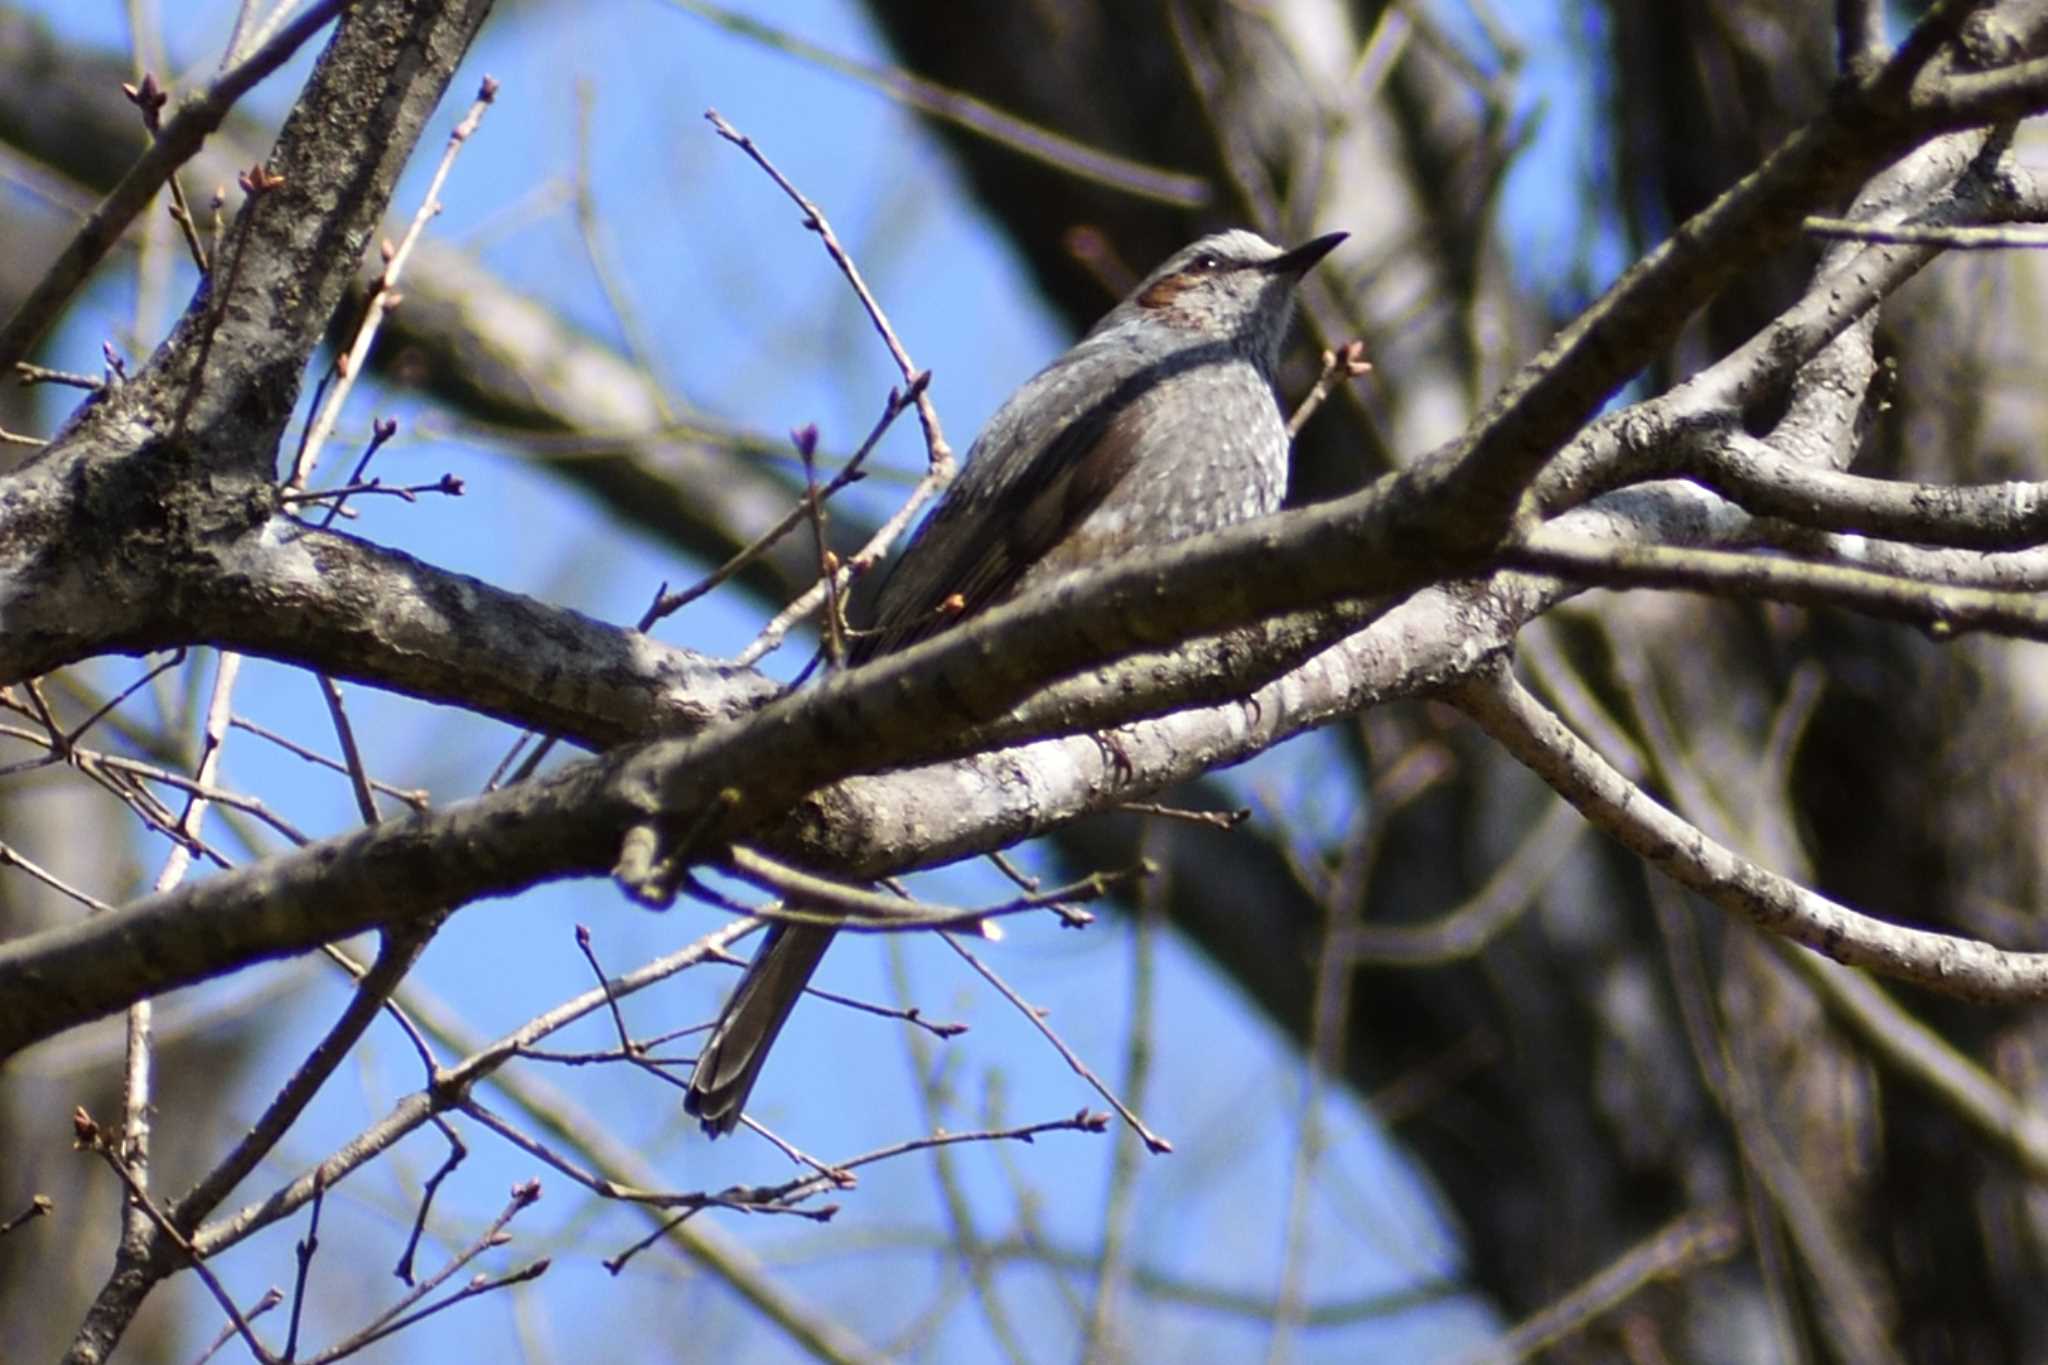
(1010, 508)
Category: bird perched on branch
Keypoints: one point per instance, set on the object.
(1160, 424)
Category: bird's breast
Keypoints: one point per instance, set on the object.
(1199, 451)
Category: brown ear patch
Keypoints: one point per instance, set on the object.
(1162, 292)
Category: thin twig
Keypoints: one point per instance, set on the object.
(1153, 1142)
(836, 1177)
(1119, 1210)
(739, 1198)
(965, 1241)
(414, 1112)
(149, 99)
(1006, 129)
(118, 775)
(381, 432)
(860, 909)
(272, 1297)
(940, 464)
(413, 797)
(383, 293)
(497, 777)
(176, 657)
(907, 1014)
(458, 1150)
(935, 440)
(390, 1322)
(1346, 362)
(1214, 819)
(1686, 1244)
(39, 1206)
(627, 1046)
(10, 858)
(1080, 1121)
(303, 1254)
(666, 604)
(138, 1070)
(1914, 234)
(89, 1135)
(31, 375)
(806, 438)
(448, 485)
(1071, 916)
(174, 145)
(373, 991)
(783, 1199)
(773, 634)
(359, 778)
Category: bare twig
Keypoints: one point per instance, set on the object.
(413, 1112)
(806, 438)
(39, 1206)
(383, 293)
(1915, 234)
(859, 909)
(119, 776)
(1686, 1244)
(176, 657)
(965, 1241)
(898, 400)
(1153, 1142)
(934, 438)
(414, 797)
(138, 1081)
(1213, 819)
(303, 1254)
(381, 432)
(940, 465)
(10, 858)
(1346, 362)
(396, 1319)
(174, 145)
(359, 778)
(272, 1297)
(149, 99)
(37, 374)
(929, 97)
(1113, 1273)
(448, 484)
(457, 1151)
(91, 1137)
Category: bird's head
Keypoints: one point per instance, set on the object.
(1230, 285)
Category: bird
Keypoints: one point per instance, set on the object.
(1159, 424)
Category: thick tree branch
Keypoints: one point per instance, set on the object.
(1943, 962)
(1870, 124)
(78, 584)
(1938, 608)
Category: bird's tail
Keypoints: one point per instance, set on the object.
(731, 1057)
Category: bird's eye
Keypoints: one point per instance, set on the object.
(1205, 264)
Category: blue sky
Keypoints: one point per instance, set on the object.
(750, 322)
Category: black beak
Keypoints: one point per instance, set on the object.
(1299, 261)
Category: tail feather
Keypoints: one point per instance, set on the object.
(730, 1060)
